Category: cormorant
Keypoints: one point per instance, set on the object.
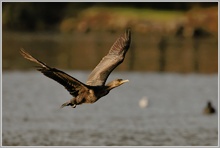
(209, 109)
(95, 87)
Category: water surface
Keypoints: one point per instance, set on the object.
(31, 115)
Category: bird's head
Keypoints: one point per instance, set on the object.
(116, 83)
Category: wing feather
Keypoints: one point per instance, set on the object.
(71, 84)
(108, 63)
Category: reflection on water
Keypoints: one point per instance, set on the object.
(83, 51)
(174, 117)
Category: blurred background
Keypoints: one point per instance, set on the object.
(166, 37)
(172, 67)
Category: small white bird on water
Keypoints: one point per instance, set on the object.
(143, 102)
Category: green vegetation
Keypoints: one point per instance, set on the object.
(136, 13)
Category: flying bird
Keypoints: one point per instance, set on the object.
(95, 87)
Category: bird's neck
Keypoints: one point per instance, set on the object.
(110, 86)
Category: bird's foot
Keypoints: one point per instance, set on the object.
(68, 104)
(73, 106)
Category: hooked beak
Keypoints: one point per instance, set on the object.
(124, 81)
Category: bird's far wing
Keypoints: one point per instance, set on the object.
(108, 63)
(70, 83)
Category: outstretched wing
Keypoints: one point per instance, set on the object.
(70, 83)
(115, 57)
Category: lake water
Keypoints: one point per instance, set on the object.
(148, 52)
(31, 115)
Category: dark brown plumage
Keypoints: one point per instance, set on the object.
(209, 109)
(95, 87)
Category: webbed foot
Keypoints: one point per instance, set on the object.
(68, 104)
(73, 106)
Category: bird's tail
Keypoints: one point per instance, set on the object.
(29, 57)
